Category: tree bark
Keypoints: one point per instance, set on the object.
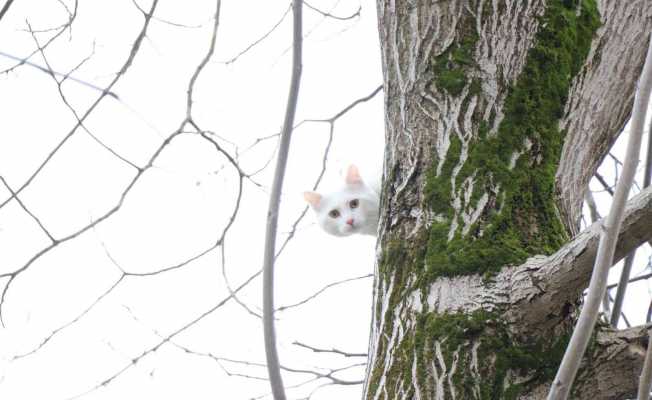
(497, 115)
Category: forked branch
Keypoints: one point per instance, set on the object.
(574, 352)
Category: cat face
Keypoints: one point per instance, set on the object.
(354, 209)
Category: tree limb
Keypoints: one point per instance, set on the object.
(594, 115)
(271, 354)
(537, 292)
(545, 286)
(5, 8)
(581, 336)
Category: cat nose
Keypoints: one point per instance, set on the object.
(349, 221)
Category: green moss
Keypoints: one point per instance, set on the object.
(438, 186)
(450, 68)
(398, 262)
(521, 219)
(501, 357)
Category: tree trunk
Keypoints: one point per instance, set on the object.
(497, 115)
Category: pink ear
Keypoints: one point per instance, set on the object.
(353, 176)
(313, 198)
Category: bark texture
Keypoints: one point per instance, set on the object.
(497, 114)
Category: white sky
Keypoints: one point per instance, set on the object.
(179, 207)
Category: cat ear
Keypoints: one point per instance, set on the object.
(313, 198)
(353, 176)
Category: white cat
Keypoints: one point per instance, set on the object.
(353, 209)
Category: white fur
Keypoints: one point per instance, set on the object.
(364, 217)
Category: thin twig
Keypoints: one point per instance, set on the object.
(48, 71)
(164, 21)
(62, 28)
(165, 340)
(132, 54)
(622, 314)
(636, 279)
(622, 288)
(260, 39)
(333, 350)
(22, 205)
(322, 290)
(604, 183)
(329, 15)
(105, 92)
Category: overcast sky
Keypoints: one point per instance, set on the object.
(180, 206)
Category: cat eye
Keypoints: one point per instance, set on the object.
(354, 203)
(334, 214)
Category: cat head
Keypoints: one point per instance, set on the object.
(353, 209)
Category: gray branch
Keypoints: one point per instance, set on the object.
(271, 353)
(574, 352)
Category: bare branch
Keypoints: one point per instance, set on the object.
(5, 8)
(49, 71)
(71, 322)
(349, 107)
(333, 350)
(595, 216)
(164, 21)
(271, 354)
(260, 39)
(136, 178)
(329, 375)
(604, 183)
(563, 276)
(593, 208)
(165, 340)
(61, 29)
(34, 217)
(622, 313)
(329, 15)
(132, 55)
(622, 288)
(570, 363)
(635, 279)
(59, 83)
(322, 290)
(230, 289)
(629, 260)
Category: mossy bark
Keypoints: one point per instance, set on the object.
(478, 97)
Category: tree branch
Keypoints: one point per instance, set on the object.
(595, 115)
(608, 239)
(546, 286)
(537, 293)
(5, 8)
(271, 354)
